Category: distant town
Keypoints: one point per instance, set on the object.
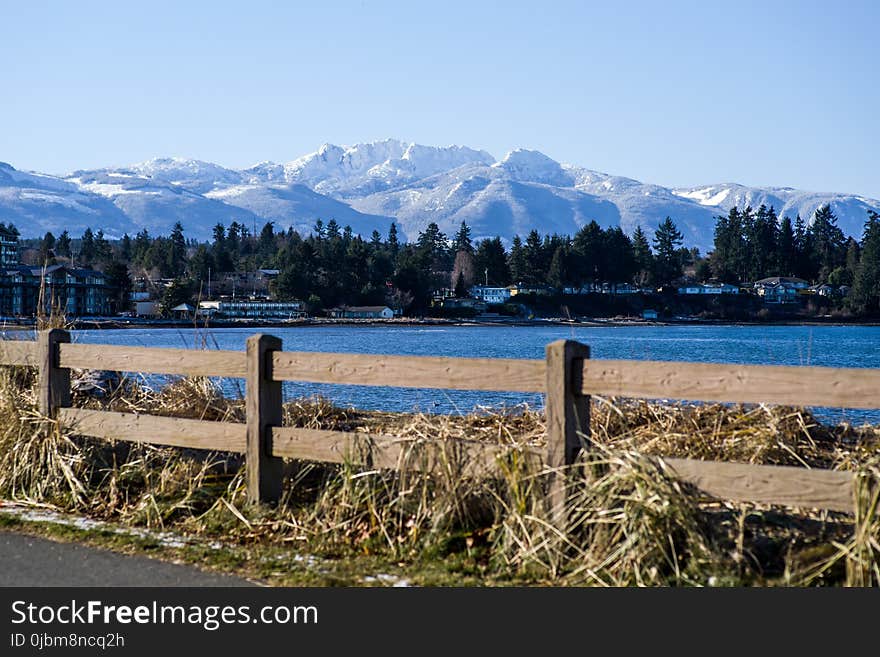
(761, 267)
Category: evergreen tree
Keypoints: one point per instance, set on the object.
(536, 261)
(266, 243)
(87, 249)
(828, 242)
(865, 295)
(319, 230)
(667, 239)
(201, 265)
(333, 232)
(490, 263)
(141, 245)
(642, 257)
(463, 239)
(517, 262)
(47, 249)
(119, 282)
(103, 250)
(62, 245)
(125, 249)
(589, 256)
(761, 244)
(177, 251)
(803, 240)
(559, 273)
(853, 257)
(393, 244)
(620, 263)
(786, 249)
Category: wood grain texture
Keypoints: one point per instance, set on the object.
(769, 484)
(566, 408)
(18, 352)
(797, 386)
(456, 457)
(176, 432)
(149, 360)
(568, 416)
(265, 473)
(499, 374)
(53, 382)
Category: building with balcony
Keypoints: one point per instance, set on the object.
(59, 288)
(252, 309)
(8, 246)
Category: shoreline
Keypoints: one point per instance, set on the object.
(126, 323)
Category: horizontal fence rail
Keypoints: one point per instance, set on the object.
(567, 377)
(155, 429)
(501, 374)
(19, 352)
(150, 360)
(848, 387)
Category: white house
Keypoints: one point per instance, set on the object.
(252, 309)
(781, 289)
(490, 294)
(709, 288)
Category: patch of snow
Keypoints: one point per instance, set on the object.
(389, 580)
(706, 196)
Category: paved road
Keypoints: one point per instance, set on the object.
(32, 561)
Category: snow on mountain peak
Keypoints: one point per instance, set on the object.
(369, 184)
(368, 167)
(533, 166)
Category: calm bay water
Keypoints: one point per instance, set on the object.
(832, 346)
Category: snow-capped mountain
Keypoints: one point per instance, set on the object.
(36, 203)
(367, 186)
(367, 168)
(156, 196)
(851, 210)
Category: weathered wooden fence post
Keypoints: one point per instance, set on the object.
(53, 380)
(567, 413)
(263, 405)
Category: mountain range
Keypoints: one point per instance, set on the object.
(367, 186)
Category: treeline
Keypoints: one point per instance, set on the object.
(750, 245)
(331, 265)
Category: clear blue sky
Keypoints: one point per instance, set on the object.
(676, 93)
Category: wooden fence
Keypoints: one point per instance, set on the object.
(567, 377)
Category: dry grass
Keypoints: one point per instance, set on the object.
(629, 520)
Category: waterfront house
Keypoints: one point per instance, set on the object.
(781, 289)
(362, 312)
(649, 313)
(708, 288)
(520, 288)
(74, 292)
(496, 295)
(252, 309)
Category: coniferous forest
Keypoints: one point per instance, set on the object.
(331, 265)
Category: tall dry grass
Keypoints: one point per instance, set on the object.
(629, 520)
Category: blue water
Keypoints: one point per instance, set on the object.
(832, 346)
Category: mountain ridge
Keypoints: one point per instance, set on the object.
(369, 185)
